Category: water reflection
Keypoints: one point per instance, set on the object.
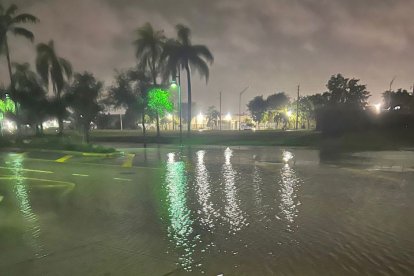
(258, 195)
(207, 212)
(232, 209)
(289, 183)
(32, 231)
(180, 229)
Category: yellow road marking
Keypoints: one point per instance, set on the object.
(128, 162)
(64, 158)
(27, 170)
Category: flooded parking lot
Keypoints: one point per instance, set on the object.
(210, 210)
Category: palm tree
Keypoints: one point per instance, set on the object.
(10, 23)
(149, 48)
(182, 54)
(31, 94)
(49, 64)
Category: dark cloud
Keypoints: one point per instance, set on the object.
(269, 45)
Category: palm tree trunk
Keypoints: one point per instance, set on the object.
(86, 133)
(158, 125)
(187, 69)
(12, 92)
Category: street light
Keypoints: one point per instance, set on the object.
(241, 93)
(174, 85)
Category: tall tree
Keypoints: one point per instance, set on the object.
(82, 97)
(213, 116)
(149, 49)
(56, 71)
(130, 92)
(10, 22)
(180, 54)
(347, 91)
(257, 108)
(277, 101)
(30, 93)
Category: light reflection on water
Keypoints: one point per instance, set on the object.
(232, 203)
(234, 214)
(180, 229)
(208, 214)
(32, 231)
(289, 183)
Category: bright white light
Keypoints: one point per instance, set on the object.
(200, 118)
(287, 156)
(289, 113)
(50, 123)
(377, 107)
(169, 116)
(227, 117)
(397, 107)
(9, 125)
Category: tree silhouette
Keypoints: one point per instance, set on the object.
(82, 97)
(10, 23)
(60, 72)
(257, 108)
(180, 54)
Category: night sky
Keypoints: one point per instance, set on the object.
(269, 45)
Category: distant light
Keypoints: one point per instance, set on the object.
(50, 123)
(398, 107)
(287, 156)
(227, 117)
(9, 125)
(169, 116)
(377, 107)
(289, 113)
(200, 118)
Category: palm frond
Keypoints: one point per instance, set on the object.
(197, 63)
(67, 67)
(183, 34)
(203, 51)
(25, 18)
(11, 10)
(23, 32)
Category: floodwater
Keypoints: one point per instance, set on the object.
(213, 211)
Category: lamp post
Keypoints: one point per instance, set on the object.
(178, 86)
(240, 96)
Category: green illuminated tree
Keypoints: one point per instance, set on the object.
(180, 54)
(10, 22)
(159, 102)
(60, 72)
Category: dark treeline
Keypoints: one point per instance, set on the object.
(53, 90)
(343, 107)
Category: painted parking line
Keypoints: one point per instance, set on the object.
(128, 161)
(122, 179)
(64, 158)
(78, 174)
(26, 170)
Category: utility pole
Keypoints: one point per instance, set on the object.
(220, 110)
(297, 108)
(240, 96)
(391, 82)
(120, 120)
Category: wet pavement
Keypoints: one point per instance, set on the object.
(207, 210)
